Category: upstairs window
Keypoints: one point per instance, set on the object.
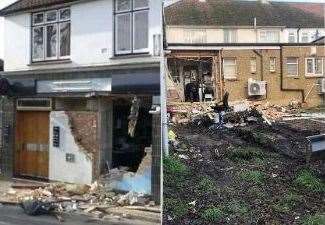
(304, 37)
(51, 35)
(194, 36)
(131, 26)
(292, 37)
(229, 36)
(269, 36)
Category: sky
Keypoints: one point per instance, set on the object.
(4, 3)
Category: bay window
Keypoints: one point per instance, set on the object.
(51, 35)
(131, 26)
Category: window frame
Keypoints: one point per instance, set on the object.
(272, 62)
(292, 34)
(45, 24)
(132, 11)
(304, 34)
(297, 64)
(313, 73)
(233, 76)
(267, 40)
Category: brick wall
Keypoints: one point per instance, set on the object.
(7, 135)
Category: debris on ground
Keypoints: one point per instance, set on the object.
(251, 170)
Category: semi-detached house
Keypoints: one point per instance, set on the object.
(256, 50)
(83, 89)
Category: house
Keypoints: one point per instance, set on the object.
(216, 47)
(84, 89)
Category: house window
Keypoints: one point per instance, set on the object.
(292, 37)
(253, 65)
(131, 26)
(304, 37)
(314, 67)
(269, 36)
(272, 64)
(51, 35)
(292, 66)
(230, 36)
(195, 36)
(230, 68)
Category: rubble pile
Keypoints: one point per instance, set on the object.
(95, 199)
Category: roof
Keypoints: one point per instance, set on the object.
(240, 13)
(314, 8)
(24, 5)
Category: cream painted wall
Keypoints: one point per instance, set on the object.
(91, 37)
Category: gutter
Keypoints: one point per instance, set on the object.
(302, 91)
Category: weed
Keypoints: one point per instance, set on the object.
(174, 166)
(212, 214)
(287, 203)
(247, 153)
(307, 179)
(176, 207)
(253, 176)
(207, 185)
(237, 207)
(317, 219)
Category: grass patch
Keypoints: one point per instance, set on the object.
(212, 214)
(317, 219)
(253, 176)
(174, 166)
(246, 154)
(237, 207)
(176, 207)
(287, 203)
(207, 185)
(308, 180)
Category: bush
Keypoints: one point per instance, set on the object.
(173, 165)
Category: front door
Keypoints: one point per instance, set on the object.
(32, 144)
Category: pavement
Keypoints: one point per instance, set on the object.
(11, 215)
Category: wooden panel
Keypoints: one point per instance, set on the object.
(32, 144)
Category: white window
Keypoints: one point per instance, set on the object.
(292, 66)
(305, 37)
(269, 36)
(131, 26)
(292, 37)
(272, 64)
(314, 67)
(229, 36)
(230, 68)
(193, 36)
(253, 65)
(51, 35)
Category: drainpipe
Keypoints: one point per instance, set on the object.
(261, 61)
(302, 91)
(298, 36)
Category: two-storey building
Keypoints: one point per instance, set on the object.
(84, 87)
(244, 48)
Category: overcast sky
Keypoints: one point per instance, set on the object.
(4, 3)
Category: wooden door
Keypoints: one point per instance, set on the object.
(32, 144)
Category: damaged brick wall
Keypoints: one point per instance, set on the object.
(84, 127)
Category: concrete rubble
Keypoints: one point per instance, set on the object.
(95, 200)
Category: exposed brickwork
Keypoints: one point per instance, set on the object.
(7, 134)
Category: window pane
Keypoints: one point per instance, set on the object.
(292, 38)
(38, 18)
(65, 14)
(310, 67)
(51, 16)
(123, 32)
(38, 43)
(51, 40)
(292, 69)
(141, 29)
(64, 39)
(304, 37)
(141, 3)
(318, 66)
(292, 60)
(123, 5)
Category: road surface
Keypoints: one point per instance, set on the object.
(10, 215)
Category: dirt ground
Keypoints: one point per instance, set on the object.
(234, 176)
